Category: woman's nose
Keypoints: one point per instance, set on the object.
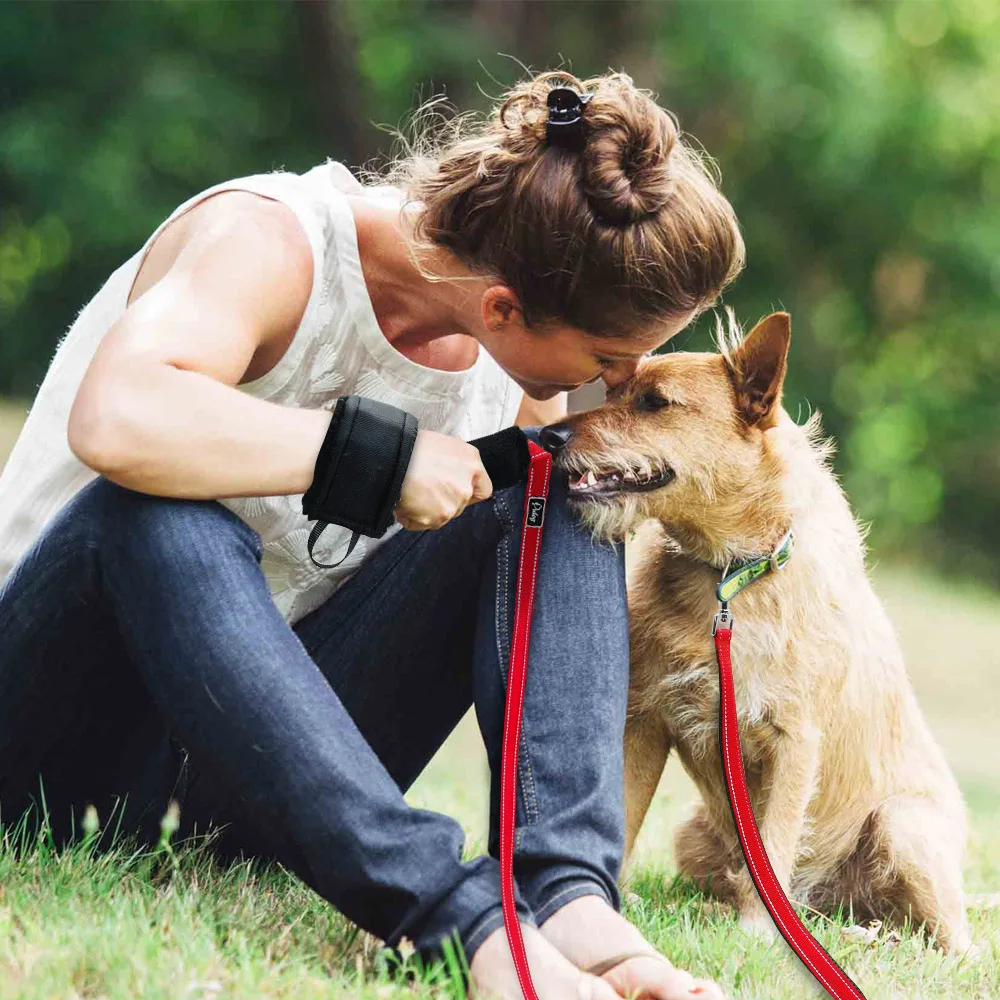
(620, 374)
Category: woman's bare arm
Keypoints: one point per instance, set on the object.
(157, 410)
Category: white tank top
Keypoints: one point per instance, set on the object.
(338, 349)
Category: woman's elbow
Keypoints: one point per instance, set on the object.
(98, 434)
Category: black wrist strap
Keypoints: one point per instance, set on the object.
(359, 470)
(318, 528)
(386, 432)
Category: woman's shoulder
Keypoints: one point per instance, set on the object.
(339, 177)
(335, 174)
(303, 222)
(262, 241)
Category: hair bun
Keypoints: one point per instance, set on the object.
(609, 238)
(625, 163)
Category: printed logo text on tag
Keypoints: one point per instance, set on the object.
(536, 512)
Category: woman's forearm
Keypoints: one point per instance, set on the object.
(168, 431)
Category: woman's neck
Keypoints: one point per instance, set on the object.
(418, 316)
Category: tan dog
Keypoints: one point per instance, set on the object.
(853, 797)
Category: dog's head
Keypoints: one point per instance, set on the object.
(684, 441)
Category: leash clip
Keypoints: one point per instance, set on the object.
(723, 618)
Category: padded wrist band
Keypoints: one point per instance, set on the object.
(359, 469)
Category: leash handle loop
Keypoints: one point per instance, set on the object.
(815, 958)
(535, 497)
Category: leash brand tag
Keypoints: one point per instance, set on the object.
(536, 512)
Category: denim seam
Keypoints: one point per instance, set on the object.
(528, 789)
(497, 909)
(528, 786)
(500, 610)
(487, 924)
(481, 924)
(590, 888)
(525, 771)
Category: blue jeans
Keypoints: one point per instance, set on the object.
(141, 655)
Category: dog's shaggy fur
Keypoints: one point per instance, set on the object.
(855, 802)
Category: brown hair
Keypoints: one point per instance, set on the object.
(630, 229)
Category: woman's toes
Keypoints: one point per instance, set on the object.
(653, 976)
(705, 989)
(595, 988)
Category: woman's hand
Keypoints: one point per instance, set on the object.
(444, 476)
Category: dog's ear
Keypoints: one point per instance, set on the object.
(757, 368)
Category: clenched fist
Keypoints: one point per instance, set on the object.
(444, 476)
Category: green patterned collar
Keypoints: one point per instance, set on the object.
(738, 575)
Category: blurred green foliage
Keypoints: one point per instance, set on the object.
(859, 143)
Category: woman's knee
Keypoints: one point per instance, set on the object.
(158, 527)
(563, 525)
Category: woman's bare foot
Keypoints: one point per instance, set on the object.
(587, 931)
(555, 977)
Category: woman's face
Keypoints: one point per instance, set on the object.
(562, 357)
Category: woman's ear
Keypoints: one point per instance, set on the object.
(501, 307)
(758, 369)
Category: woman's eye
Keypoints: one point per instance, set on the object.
(606, 362)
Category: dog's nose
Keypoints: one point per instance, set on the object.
(554, 436)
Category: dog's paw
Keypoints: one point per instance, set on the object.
(760, 925)
(972, 953)
(962, 946)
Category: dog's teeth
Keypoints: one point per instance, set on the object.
(591, 479)
(630, 476)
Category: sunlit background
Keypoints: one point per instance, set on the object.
(859, 143)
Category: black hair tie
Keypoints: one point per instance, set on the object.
(565, 126)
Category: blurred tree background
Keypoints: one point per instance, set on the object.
(858, 141)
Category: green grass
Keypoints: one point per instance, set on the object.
(171, 924)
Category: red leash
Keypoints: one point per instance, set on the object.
(816, 959)
(535, 497)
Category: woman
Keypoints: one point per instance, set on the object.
(163, 630)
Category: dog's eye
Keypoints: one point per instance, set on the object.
(652, 401)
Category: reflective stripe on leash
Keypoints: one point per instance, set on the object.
(813, 955)
(535, 497)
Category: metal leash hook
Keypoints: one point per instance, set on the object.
(723, 617)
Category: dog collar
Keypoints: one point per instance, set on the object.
(743, 572)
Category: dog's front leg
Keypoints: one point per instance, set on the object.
(647, 747)
(787, 786)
